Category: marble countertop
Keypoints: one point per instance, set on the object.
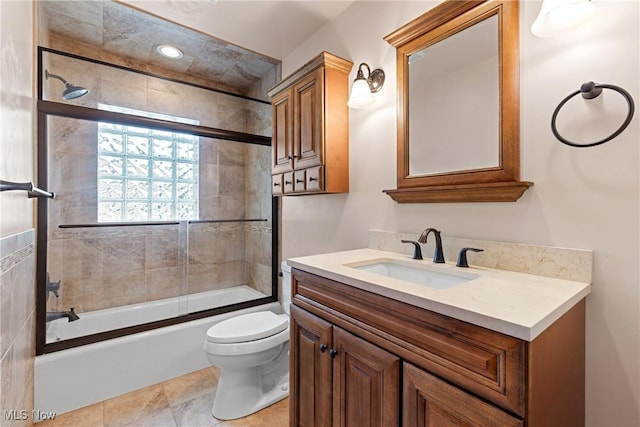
(516, 304)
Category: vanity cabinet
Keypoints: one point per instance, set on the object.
(361, 359)
(340, 379)
(310, 152)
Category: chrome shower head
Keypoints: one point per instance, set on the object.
(70, 91)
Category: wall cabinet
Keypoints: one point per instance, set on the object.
(360, 359)
(310, 143)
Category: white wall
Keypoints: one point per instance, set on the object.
(16, 113)
(582, 198)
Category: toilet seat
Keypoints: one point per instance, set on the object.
(247, 327)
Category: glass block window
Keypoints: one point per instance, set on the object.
(146, 174)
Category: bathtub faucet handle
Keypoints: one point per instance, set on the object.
(53, 287)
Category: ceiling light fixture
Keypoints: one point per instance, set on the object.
(169, 51)
(557, 16)
(363, 88)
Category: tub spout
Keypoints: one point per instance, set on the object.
(71, 315)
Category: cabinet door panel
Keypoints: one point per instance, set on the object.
(307, 146)
(310, 370)
(365, 383)
(282, 133)
(429, 401)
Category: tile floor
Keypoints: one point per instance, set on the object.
(181, 402)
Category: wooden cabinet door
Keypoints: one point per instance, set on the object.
(282, 141)
(365, 383)
(430, 401)
(308, 120)
(310, 370)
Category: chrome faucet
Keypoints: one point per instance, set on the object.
(438, 254)
(71, 315)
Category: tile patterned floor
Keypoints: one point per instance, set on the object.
(181, 402)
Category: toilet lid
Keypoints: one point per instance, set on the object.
(247, 327)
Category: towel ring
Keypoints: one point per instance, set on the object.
(590, 90)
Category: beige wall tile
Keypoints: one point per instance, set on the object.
(162, 249)
(231, 274)
(165, 283)
(202, 277)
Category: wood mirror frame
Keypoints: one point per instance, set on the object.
(495, 184)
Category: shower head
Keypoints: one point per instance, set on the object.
(70, 91)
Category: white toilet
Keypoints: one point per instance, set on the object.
(252, 352)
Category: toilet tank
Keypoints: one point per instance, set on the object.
(286, 285)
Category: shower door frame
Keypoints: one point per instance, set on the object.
(58, 109)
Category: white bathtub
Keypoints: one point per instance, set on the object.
(70, 379)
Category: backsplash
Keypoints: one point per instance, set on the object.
(560, 263)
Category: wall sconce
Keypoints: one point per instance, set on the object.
(557, 16)
(363, 88)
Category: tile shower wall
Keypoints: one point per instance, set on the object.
(17, 284)
(108, 267)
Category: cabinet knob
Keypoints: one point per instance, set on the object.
(299, 181)
(312, 179)
(276, 184)
(287, 183)
(323, 348)
(292, 157)
(333, 353)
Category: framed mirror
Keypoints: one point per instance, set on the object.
(458, 104)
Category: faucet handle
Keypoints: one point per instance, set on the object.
(53, 286)
(462, 256)
(417, 252)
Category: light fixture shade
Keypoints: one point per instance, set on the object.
(361, 95)
(557, 16)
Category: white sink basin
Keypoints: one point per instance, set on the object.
(415, 273)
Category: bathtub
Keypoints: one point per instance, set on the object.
(70, 379)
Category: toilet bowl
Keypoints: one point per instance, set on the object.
(252, 353)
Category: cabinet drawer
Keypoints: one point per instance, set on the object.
(276, 184)
(315, 179)
(482, 361)
(299, 183)
(287, 187)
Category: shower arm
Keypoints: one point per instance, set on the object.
(47, 74)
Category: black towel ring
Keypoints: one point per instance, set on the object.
(590, 90)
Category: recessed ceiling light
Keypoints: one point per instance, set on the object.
(169, 51)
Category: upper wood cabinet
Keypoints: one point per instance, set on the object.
(310, 152)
